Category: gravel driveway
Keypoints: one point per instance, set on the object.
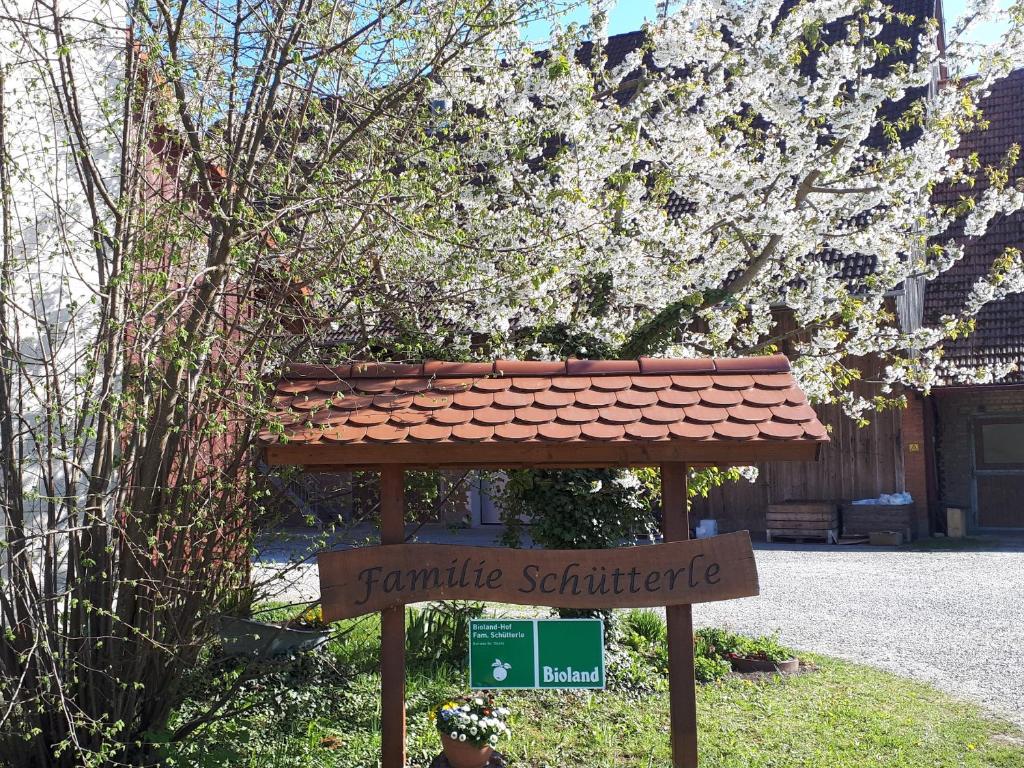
(954, 619)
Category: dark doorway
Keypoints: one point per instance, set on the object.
(999, 472)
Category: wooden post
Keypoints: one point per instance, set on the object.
(679, 618)
(392, 628)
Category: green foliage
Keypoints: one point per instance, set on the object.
(559, 67)
(707, 669)
(703, 481)
(575, 509)
(722, 644)
(639, 658)
(645, 624)
(643, 644)
(712, 641)
(439, 633)
(322, 711)
(767, 648)
(635, 672)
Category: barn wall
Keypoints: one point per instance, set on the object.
(860, 462)
(957, 411)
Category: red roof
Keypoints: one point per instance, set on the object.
(596, 411)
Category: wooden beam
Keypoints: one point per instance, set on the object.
(507, 455)
(679, 618)
(392, 628)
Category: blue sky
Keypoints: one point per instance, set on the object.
(628, 15)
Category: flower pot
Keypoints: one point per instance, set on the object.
(748, 664)
(464, 754)
(243, 637)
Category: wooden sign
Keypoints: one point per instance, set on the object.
(368, 579)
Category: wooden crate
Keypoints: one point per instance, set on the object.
(885, 538)
(864, 519)
(803, 520)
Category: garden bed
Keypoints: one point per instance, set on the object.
(324, 714)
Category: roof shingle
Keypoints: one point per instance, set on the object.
(574, 401)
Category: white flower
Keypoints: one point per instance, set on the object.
(454, 734)
(462, 737)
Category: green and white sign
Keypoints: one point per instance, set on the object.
(536, 653)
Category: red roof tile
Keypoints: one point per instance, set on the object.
(552, 398)
(611, 383)
(593, 398)
(513, 399)
(721, 397)
(600, 367)
(610, 403)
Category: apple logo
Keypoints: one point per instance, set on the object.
(500, 669)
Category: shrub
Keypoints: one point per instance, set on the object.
(439, 633)
(634, 673)
(642, 652)
(707, 669)
(576, 509)
(644, 623)
(714, 642)
(717, 642)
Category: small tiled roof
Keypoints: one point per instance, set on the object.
(585, 411)
(999, 335)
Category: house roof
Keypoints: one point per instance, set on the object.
(999, 335)
(562, 413)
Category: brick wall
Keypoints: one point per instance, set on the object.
(954, 436)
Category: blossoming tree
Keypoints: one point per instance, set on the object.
(187, 206)
(735, 163)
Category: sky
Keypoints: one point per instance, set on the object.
(628, 15)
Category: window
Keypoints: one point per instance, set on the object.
(999, 443)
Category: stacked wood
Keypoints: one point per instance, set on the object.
(803, 520)
(863, 519)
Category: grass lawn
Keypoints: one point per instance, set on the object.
(838, 715)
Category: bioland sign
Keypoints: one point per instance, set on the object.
(367, 579)
(536, 653)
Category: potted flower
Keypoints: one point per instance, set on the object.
(303, 632)
(470, 729)
(763, 654)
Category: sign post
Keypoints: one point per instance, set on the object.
(392, 628)
(682, 687)
(536, 653)
(540, 653)
(540, 414)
